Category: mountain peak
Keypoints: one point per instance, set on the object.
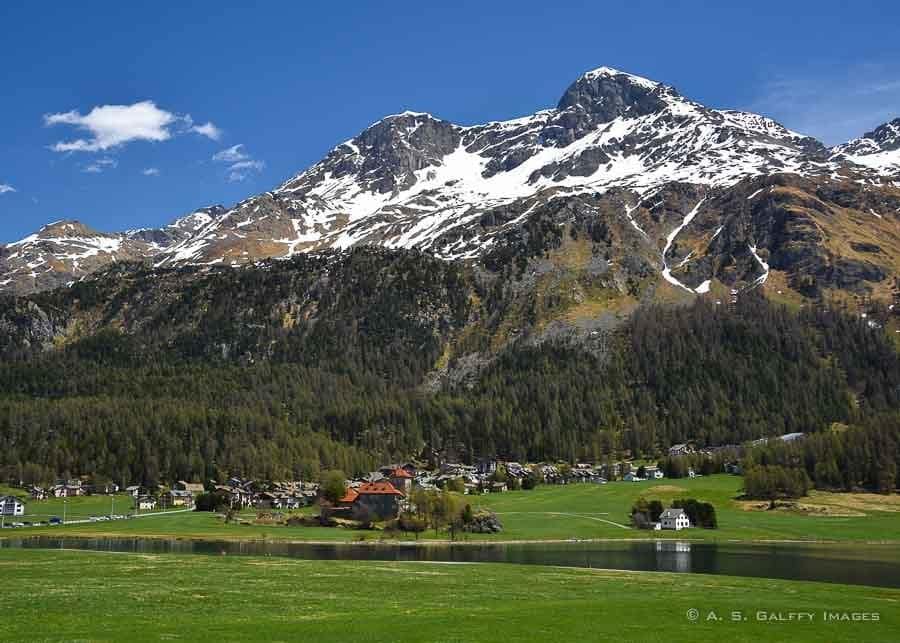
(609, 93)
(66, 228)
(609, 72)
(886, 136)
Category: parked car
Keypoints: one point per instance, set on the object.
(55, 520)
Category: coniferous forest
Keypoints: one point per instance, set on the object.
(289, 369)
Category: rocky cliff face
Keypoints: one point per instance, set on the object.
(707, 198)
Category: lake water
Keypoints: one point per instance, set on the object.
(854, 564)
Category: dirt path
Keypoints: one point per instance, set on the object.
(562, 513)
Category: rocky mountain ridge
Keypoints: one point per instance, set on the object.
(413, 180)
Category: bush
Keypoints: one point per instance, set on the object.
(701, 514)
(210, 502)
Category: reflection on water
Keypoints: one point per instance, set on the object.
(856, 564)
(673, 556)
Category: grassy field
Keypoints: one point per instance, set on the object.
(97, 596)
(76, 508)
(580, 511)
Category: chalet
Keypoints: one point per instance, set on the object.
(674, 519)
(11, 506)
(401, 479)
(653, 473)
(499, 487)
(145, 503)
(38, 493)
(133, 490)
(196, 488)
(178, 498)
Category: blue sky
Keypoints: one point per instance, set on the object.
(128, 116)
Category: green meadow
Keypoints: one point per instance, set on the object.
(99, 596)
(75, 508)
(581, 511)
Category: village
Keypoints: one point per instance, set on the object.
(378, 496)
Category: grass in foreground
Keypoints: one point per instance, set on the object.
(582, 511)
(97, 596)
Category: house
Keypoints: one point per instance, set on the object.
(679, 449)
(401, 479)
(486, 466)
(196, 488)
(674, 519)
(38, 493)
(178, 498)
(11, 506)
(653, 473)
(348, 498)
(380, 499)
(68, 489)
(516, 470)
(134, 490)
(499, 487)
(236, 496)
(145, 503)
(105, 488)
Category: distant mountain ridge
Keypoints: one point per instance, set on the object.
(413, 180)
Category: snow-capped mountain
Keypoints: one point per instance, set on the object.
(63, 251)
(878, 150)
(412, 179)
(416, 181)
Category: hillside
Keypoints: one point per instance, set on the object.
(349, 359)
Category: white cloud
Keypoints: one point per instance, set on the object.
(100, 165)
(240, 164)
(208, 130)
(5, 187)
(231, 154)
(240, 171)
(150, 171)
(835, 104)
(111, 126)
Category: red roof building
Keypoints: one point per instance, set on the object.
(382, 487)
(349, 497)
(379, 499)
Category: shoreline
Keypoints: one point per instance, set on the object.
(447, 542)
